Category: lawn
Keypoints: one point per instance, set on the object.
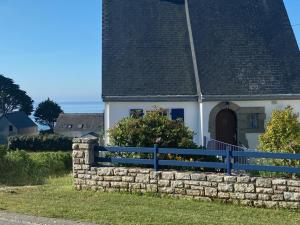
(58, 199)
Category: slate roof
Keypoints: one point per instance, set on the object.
(79, 124)
(243, 48)
(20, 120)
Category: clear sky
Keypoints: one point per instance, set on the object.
(52, 48)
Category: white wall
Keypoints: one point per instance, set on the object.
(269, 106)
(115, 111)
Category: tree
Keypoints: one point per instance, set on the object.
(47, 113)
(150, 129)
(282, 135)
(12, 98)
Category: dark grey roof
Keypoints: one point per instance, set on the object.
(20, 120)
(79, 123)
(242, 47)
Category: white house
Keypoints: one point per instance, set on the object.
(222, 65)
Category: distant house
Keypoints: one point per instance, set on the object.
(16, 123)
(88, 125)
(221, 66)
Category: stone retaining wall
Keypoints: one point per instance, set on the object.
(251, 191)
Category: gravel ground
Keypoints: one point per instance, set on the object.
(18, 219)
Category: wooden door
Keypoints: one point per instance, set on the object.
(226, 127)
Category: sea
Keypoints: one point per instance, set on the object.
(78, 107)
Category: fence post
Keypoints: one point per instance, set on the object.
(228, 161)
(155, 159)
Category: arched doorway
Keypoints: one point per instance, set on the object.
(226, 126)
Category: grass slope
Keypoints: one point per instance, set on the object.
(58, 199)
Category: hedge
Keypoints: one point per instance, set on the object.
(37, 143)
(21, 168)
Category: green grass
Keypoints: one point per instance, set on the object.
(58, 199)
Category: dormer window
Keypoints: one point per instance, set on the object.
(80, 126)
(11, 128)
(69, 126)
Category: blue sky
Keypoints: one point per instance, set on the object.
(52, 48)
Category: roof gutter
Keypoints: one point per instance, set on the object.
(207, 98)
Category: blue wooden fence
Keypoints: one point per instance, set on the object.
(229, 163)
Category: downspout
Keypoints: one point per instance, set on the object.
(196, 72)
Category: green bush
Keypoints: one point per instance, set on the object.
(3, 149)
(49, 142)
(282, 135)
(150, 129)
(153, 128)
(22, 168)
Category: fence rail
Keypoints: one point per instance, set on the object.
(228, 164)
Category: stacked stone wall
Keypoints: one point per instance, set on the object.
(246, 190)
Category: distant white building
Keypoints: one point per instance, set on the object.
(223, 66)
(14, 124)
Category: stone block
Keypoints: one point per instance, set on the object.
(265, 190)
(182, 176)
(105, 171)
(134, 186)
(294, 183)
(264, 197)
(224, 195)
(279, 182)
(251, 196)
(205, 183)
(244, 179)
(215, 178)
(277, 197)
(237, 196)
(127, 179)
(151, 187)
(167, 176)
(198, 177)
(245, 188)
(166, 190)
(112, 178)
(264, 182)
(119, 185)
(163, 183)
(271, 204)
(120, 172)
(293, 189)
(258, 203)
(192, 182)
(289, 205)
(246, 202)
(145, 171)
(291, 196)
(142, 178)
(104, 184)
(196, 187)
(210, 192)
(193, 192)
(230, 179)
(225, 187)
(177, 184)
(180, 191)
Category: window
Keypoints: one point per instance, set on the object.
(80, 126)
(177, 114)
(254, 121)
(69, 126)
(136, 113)
(11, 128)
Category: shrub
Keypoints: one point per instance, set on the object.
(150, 129)
(3, 149)
(282, 135)
(49, 142)
(153, 128)
(21, 168)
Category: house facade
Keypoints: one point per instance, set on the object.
(16, 123)
(223, 66)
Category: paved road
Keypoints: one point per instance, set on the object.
(17, 219)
